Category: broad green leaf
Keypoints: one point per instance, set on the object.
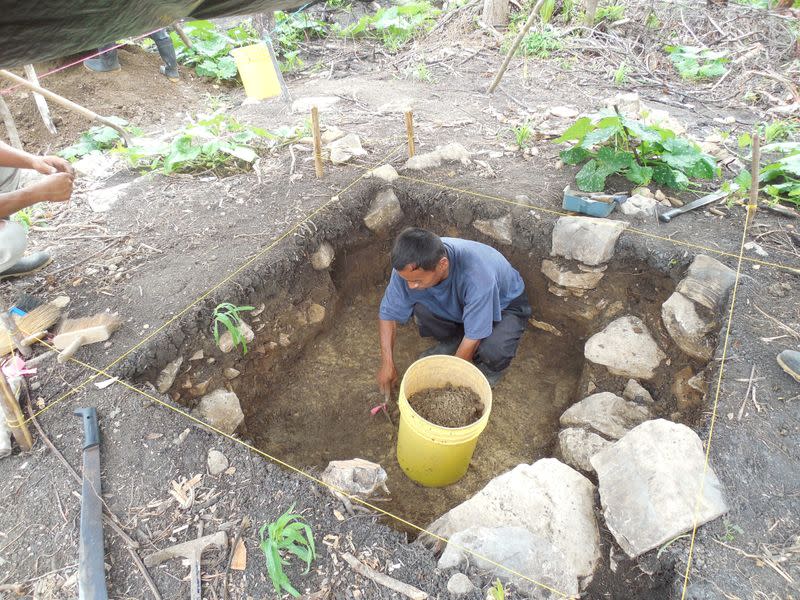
(613, 161)
(638, 174)
(665, 175)
(784, 147)
(704, 167)
(641, 131)
(744, 140)
(598, 136)
(576, 131)
(592, 177)
(241, 152)
(744, 180)
(575, 155)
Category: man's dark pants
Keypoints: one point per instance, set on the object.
(495, 351)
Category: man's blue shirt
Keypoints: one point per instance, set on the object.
(479, 285)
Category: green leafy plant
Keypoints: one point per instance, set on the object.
(652, 21)
(228, 316)
(97, 139)
(693, 62)
(621, 74)
(731, 531)
(782, 177)
(522, 134)
(497, 591)
(210, 51)
(215, 142)
(289, 534)
(26, 217)
(546, 12)
(422, 73)
(567, 8)
(536, 43)
(290, 30)
(609, 13)
(612, 144)
(396, 25)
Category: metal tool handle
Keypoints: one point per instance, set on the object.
(91, 432)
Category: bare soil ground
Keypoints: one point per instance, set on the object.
(172, 247)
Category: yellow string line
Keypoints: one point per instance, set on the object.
(211, 290)
(316, 480)
(630, 229)
(700, 492)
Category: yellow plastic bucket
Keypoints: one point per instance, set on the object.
(257, 71)
(430, 454)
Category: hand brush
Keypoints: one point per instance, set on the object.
(74, 333)
(35, 322)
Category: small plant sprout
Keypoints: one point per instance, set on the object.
(621, 74)
(422, 73)
(522, 134)
(287, 535)
(497, 591)
(228, 315)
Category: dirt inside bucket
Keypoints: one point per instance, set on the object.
(450, 406)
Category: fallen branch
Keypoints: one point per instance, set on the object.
(382, 579)
(767, 561)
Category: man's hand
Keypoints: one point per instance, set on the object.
(53, 188)
(387, 376)
(48, 165)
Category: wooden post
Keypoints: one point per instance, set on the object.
(590, 12)
(755, 168)
(41, 103)
(410, 132)
(317, 142)
(68, 104)
(12, 413)
(182, 34)
(11, 127)
(517, 41)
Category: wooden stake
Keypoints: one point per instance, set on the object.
(41, 103)
(517, 41)
(68, 104)
(182, 34)
(317, 142)
(410, 132)
(13, 415)
(11, 127)
(755, 168)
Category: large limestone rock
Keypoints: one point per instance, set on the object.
(517, 549)
(384, 212)
(687, 327)
(220, 409)
(345, 148)
(626, 348)
(588, 240)
(500, 229)
(103, 200)
(550, 500)
(384, 173)
(707, 282)
(322, 257)
(357, 477)
(650, 483)
(640, 207)
(453, 152)
(561, 275)
(578, 446)
(605, 413)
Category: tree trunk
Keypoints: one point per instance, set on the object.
(495, 12)
(591, 9)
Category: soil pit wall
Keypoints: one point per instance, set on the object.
(307, 384)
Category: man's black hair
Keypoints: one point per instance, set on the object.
(418, 247)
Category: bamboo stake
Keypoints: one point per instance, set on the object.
(515, 45)
(755, 168)
(317, 142)
(11, 127)
(13, 415)
(68, 104)
(41, 103)
(410, 132)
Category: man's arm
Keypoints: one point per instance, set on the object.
(46, 165)
(467, 348)
(387, 374)
(53, 188)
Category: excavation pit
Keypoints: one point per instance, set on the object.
(307, 383)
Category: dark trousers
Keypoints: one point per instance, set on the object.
(495, 351)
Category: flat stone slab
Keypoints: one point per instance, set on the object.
(687, 327)
(549, 499)
(323, 103)
(561, 275)
(605, 413)
(499, 229)
(707, 282)
(626, 348)
(578, 446)
(591, 241)
(650, 485)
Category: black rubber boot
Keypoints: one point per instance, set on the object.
(446, 347)
(166, 50)
(108, 61)
(493, 377)
(27, 264)
(789, 360)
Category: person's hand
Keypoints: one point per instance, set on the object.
(387, 376)
(53, 188)
(48, 165)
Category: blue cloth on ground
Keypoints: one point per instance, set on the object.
(479, 285)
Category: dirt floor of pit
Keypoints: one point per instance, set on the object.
(319, 409)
